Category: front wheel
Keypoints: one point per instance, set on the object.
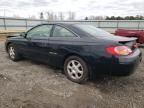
(13, 54)
(76, 69)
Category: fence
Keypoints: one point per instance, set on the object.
(109, 25)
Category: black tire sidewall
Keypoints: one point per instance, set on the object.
(85, 76)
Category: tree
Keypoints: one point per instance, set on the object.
(86, 18)
(71, 15)
(137, 17)
(107, 18)
(92, 17)
(119, 18)
(55, 17)
(141, 17)
(131, 18)
(61, 16)
(113, 18)
(32, 17)
(16, 16)
(41, 15)
(50, 16)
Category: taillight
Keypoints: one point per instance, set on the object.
(119, 50)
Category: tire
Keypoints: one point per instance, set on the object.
(12, 52)
(76, 69)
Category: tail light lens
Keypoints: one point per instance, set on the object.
(119, 50)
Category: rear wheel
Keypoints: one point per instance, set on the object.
(13, 54)
(76, 69)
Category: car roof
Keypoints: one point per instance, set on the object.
(62, 23)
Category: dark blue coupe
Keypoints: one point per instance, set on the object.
(81, 50)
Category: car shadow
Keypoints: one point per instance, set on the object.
(104, 83)
(110, 84)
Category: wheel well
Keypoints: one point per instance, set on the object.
(7, 46)
(71, 54)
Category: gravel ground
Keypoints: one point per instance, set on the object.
(26, 84)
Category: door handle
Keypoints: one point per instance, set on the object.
(53, 53)
(28, 38)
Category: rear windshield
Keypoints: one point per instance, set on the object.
(92, 30)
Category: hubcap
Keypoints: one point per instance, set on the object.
(12, 52)
(75, 69)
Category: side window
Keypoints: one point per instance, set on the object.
(40, 31)
(62, 32)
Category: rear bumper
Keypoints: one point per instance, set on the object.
(120, 65)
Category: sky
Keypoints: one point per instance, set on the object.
(82, 8)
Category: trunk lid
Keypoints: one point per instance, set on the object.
(119, 38)
(127, 41)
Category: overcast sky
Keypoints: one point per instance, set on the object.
(82, 8)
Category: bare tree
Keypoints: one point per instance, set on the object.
(86, 18)
(50, 16)
(61, 16)
(32, 17)
(41, 15)
(16, 16)
(55, 17)
(71, 15)
(92, 17)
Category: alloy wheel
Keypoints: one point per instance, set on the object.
(75, 69)
(11, 52)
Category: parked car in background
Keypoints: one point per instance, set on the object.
(139, 34)
(81, 50)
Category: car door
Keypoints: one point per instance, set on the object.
(59, 42)
(37, 42)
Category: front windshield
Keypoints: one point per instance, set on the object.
(92, 30)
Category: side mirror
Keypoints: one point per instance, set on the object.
(23, 34)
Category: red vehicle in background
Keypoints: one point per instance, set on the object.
(131, 33)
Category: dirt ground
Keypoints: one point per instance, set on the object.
(2, 37)
(26, 84)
